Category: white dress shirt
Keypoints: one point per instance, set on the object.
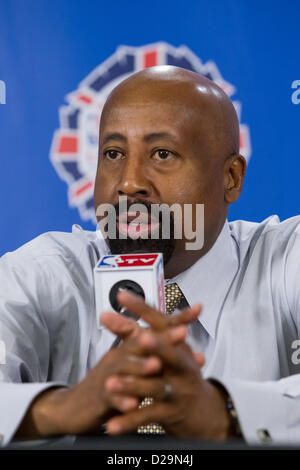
(248, 284)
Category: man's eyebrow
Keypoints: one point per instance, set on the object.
(147, 138)
(114, 136)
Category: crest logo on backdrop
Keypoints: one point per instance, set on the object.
(75, 144)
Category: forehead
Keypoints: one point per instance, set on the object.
(135, 116)
(138, 116)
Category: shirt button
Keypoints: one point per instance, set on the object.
(264, 436)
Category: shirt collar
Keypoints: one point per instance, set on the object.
(208, 280)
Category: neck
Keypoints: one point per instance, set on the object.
(180, 262)
(184, 259)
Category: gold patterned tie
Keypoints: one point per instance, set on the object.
(173, 297)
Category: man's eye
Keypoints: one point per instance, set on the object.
(163, 154)
(113, 154)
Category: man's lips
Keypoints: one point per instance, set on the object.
(135, 225)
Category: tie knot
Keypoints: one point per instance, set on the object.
(173, 297)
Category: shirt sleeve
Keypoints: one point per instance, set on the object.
(15, 399)
(268, 412)
(24, 339)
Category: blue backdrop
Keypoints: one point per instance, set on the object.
(47, 47)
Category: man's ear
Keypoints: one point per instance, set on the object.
(234, 172)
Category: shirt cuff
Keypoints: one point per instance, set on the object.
(15, 399)
(268, 412)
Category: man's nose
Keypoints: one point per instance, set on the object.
(134, 181)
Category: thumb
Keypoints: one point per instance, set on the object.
(119, 325)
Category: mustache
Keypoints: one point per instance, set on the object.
(125, 207)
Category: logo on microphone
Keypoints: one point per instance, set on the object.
(75, 144)
(128, 261)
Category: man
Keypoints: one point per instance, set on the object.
(166, 136)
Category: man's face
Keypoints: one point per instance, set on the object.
(156, 151)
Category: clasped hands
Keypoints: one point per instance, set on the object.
(156, 362)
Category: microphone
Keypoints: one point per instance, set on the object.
(131, 286)
(125, 284)
(140, 273)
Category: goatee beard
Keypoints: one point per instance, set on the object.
(120, 246)
(166, 246)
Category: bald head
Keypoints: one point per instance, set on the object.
(197, 98)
